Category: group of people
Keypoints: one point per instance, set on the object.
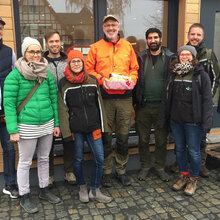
(43, 96)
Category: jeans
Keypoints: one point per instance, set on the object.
(187, 134)
(8, 157)
(96, 147)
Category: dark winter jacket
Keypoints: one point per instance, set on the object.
(5, 67)
(201, 99)
(80, 107)
(138, 92)
(208, 60)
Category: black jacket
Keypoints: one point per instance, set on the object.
(80, 107)
(5, 67)
(138, 92)
(201, 99)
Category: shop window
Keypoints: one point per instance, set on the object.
(74, 20)
(217, 35)
(137, 16)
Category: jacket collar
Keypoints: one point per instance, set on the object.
(107, 40)
(62, 56)
(1, 43)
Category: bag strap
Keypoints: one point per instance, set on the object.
(209, 59)
(27, 98)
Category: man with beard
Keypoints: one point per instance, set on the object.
(153, 69)
(209, 61)
(110, 56)
(57, 63)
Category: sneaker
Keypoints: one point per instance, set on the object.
(162, 175)
(191, 186)
(123, 179)
(181, 182)
(204, 172)
(70, 178)
(143, 174)
(27, 205)
(51, 180)
(106, 180)
(46, 194)
(12, 191)
(83, 194)
(97, 195)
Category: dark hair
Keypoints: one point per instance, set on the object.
(197, 25)
(83, 70)
(153, 30)
(195, 63)
(51, 33)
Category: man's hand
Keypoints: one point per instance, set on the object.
(56, 132)
(104, 84)
(14, 137)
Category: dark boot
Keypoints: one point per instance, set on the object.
(27, 205)
(49, 196)
(106, 180)
(204, 172)
(123, 179)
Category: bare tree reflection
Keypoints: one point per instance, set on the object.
(74, 5)
(117, 7)
(155, 19)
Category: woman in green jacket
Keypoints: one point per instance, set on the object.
(34, 127)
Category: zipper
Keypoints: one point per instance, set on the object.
(84, 108)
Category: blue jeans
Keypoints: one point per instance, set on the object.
(187, 134)
(97, 155)
(8, 157)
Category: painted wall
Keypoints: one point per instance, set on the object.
(6, 12)
(189, 13)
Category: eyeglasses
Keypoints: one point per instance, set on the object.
(185, 54)
(33, 52)
(110, 25)
(76, 62)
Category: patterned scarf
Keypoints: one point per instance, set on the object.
(183, 68)
(32, 70)
(74, 78)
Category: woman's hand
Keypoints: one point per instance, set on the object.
(14, 137)
(56, 132)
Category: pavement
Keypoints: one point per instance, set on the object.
(150, 199)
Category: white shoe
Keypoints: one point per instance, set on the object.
(99, 196)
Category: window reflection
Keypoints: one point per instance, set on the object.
(72, 18)
(137, 16)
(217, 36)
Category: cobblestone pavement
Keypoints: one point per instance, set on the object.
(151, 199)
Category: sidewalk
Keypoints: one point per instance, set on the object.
(152, 199)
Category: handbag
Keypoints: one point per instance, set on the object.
(27, 98)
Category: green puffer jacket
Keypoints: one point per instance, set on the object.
(41, 108)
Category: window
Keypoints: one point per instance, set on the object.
(137, 16)
(74, 20)
(217, 36)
